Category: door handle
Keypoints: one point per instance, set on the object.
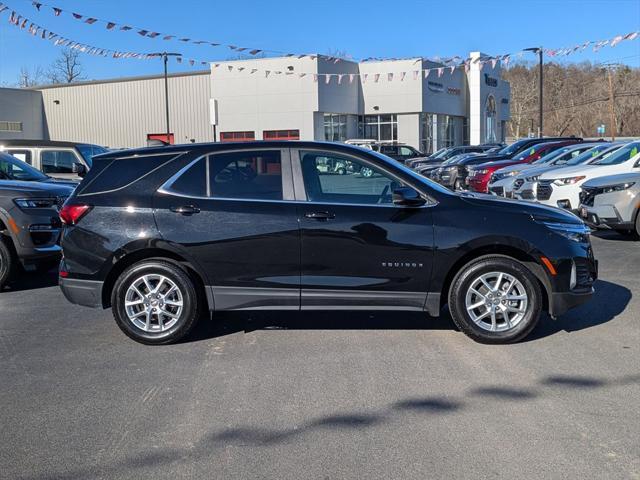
(320, 215)
(185, 209)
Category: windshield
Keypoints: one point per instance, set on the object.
(527, 152)
(551, 155)
(89, 151)
(623, 154)
(513, 148)
(591, 154)
(13, 169)
(440, 152)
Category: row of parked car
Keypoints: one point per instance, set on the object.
(36, 178)
(599, 181)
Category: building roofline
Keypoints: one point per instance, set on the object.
(119, 80)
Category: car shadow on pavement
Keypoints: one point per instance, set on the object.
(609, 301)
(417, 408)
(614, 236)
(226, 323)
(32, 281)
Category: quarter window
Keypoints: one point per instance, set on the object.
(333, 178)
(24, 155)
(57, 161)
(193, 182)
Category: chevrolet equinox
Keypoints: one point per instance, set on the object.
(163, 234)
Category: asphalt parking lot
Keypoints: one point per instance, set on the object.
(323, 396)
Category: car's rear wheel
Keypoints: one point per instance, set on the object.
(495, 299)
(637, 226)
(155, 302)
(7, 262)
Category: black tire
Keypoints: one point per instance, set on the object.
(637, 232)
(190, 300)
(469, 274)
(8, 262)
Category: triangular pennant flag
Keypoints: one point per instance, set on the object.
(37, 5)
(494, 62)
(191, 62)
(240, 69)
(315, 78)
(389, 77)
(254, 70)
(452, 69)
(110, 25)
(126, 28)
(214, 44)
(168, 37)
(302, 75)
(143, 33)
(179, 59)
(415, 74)
(56, 11)
(376, 77)
(327, 78)
(616, 40)
(365, 76)
(266, 73)
(351, 77)
(230, 67)
(24, 23)
(77, 16)
(402, 75)
(254, 52)
(426, 73)
(440, 72)
(340, 78)
(199, 42)
(184, 39)
(153, 34)
(91, 20)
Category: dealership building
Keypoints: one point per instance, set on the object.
(308, 98)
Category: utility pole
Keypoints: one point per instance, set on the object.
(611, 105)
(165, 59)
(539, 51)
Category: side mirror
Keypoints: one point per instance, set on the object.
(79, 169)
(407, 197)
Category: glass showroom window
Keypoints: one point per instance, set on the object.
(450, 131)
(426, 136)
(490, 120)
(335, 127)
(378, 127)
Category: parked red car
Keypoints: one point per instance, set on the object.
(479, 175)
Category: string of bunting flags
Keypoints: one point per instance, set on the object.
(447, 65)
(149, 33)
(153, 34)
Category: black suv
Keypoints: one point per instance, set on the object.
(29, 222)
(160, 234)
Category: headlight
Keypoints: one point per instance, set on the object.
(568, 180)
(35, 202)
(578, 232)
(617, 188)
(479, 172)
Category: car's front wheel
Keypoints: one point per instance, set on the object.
(155, 302)
(7, 262)
(495, 299)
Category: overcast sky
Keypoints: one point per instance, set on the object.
(358, 28)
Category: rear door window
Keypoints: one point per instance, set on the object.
(24, 155)
(249, 175)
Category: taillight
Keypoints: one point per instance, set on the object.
(71, 214)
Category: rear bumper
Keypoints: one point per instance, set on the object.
(82, 292)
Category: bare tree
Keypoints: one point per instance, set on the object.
(31, 77)
(66, 68)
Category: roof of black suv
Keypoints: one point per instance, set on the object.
(212, 147)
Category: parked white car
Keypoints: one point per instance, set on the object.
(526, 183)
(502, 181)
(612, 202)
(561, 187)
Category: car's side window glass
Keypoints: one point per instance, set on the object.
(252, 175)
(193, 182)
(57, 161)
(24, 155)
(406, 152)
(334, 178)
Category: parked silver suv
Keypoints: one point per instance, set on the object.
(612, 202)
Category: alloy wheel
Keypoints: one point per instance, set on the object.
(153, 303)
(496, 301)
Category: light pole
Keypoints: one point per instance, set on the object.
(165, 58)
(539, 51)
(612, 100)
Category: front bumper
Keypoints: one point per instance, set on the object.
(561, 302)
(604, 216)
(82, 292)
